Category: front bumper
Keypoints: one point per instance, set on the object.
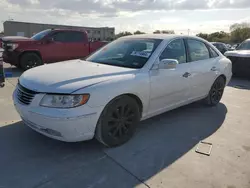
(11, 57)
(240, 66)
(69, 125)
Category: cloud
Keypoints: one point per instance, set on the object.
(146, 15)
(111, 7)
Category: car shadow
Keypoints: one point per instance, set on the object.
(32, 160)
(240, 83)
(163, 139)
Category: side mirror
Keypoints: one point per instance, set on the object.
(168, 64)
(49, 40)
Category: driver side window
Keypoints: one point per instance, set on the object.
(175, 50)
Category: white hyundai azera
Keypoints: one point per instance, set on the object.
(129, 80)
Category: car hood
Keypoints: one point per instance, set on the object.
(238, 53)
(16, 39)
(70, 76)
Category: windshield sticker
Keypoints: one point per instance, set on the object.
(135, 64)
(141, 54)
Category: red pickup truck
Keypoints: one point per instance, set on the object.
(48, 46)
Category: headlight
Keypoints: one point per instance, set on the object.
(64, 101)
(12, 46)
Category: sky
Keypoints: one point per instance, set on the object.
(131, 15)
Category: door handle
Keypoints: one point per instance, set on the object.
(214, 69)
(186, 75)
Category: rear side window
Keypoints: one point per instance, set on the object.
(70, 36)
(59, 37)
(213, 53)
(197, 50)
(74, 36)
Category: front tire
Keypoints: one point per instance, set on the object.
(30, 60)
(216, 92)
(117, 123)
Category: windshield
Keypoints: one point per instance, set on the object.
(40, 35)
(244, 46)
(131, 53)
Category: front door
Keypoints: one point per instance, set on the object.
(55, 50)
(170, 87)
(203, 67)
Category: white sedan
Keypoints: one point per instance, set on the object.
(129, 80)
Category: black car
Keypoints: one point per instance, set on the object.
(240, 59)
(220, 46)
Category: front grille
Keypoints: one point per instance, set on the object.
(24, 95)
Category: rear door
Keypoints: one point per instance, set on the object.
(77, 44)
(203, 62)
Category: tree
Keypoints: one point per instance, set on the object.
(239, 26)
(216, 36)
(138, 32)
(203, 35)
(157, 32)
(168, 32)
(121, 34)
(219, 37)
(240, 34)
(164, 32)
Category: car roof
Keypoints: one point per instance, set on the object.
(159, 36)
(57, 29)
(217, 43)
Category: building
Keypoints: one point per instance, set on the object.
(14, 28)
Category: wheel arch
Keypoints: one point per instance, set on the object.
(134, 96)
(29, 51)
(223, 76)
(138, 100)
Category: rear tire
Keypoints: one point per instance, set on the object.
(117, 123)
(216, 92)
(30, 60)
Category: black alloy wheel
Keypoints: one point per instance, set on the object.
(120, 121)
(30, 60)
(216, 92)
(117, 123)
